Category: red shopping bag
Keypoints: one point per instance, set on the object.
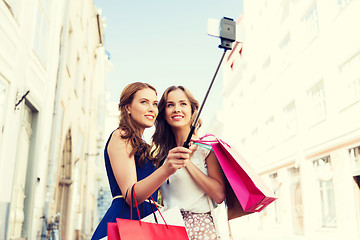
(113, 231)
(139, 230)
(246, 192)
(128, 229)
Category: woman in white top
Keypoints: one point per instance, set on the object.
(191, 186)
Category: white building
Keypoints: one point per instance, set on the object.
(104, 194)
(52, 73)
(292, 108)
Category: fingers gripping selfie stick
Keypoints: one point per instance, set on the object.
(227, 36)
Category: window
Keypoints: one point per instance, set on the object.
(350, 72)
(41, 29)
(243, 141)
(285, 10)
(254, 133)
(265, 73)
(285, 49)
(343, 3)
(324, 174)
(311, 21)
(270, 131)
(296, 201)
(255, 136)
(317, 99)
(290, 119)
(253, 80)
(276, 188)
(266, 63)
(354, 154)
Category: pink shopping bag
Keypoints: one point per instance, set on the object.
(246, 192)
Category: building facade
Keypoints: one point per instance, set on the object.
(295, 85)
(52, 79)
(104, 193)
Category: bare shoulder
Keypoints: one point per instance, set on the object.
(117, 142)
(117, 134)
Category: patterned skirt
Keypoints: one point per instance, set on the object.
(199, 225)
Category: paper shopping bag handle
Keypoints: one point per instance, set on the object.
(131, 203)
(137, 207)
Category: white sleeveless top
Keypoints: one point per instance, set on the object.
(182, 190)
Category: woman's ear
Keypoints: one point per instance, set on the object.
(127, 107)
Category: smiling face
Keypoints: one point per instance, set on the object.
(178, 109)
(143, 109)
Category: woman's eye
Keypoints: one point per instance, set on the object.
(155, 104)
(170, 105)
(184, 104)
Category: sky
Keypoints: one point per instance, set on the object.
(164, 43)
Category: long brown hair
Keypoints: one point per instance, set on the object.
(163, 139)
(129, 131)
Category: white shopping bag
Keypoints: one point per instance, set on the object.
(172, 216)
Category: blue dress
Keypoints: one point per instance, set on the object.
(118, 209)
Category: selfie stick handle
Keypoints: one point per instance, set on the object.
(192, 130)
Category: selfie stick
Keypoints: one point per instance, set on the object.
(227, 36)
(192, 130)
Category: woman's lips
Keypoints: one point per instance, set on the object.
(177, 117)
(150, 117)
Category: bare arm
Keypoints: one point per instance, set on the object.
(212, 184)
(123, 166)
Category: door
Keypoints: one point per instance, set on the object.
(16, 217)
(65, 181)
(354, 154)
(296, 201)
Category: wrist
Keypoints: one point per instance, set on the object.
(165, 171)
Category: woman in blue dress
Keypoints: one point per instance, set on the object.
(127, 158)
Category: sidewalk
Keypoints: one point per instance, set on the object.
(258, 236)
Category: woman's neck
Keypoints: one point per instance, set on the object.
(181, 135)
(141, 131)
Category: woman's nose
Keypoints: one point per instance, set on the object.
(152, 108)
(176, 108)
